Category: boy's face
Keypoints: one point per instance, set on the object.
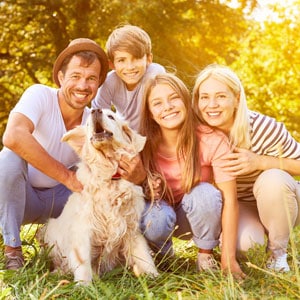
(130, 69)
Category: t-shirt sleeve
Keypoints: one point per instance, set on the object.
(32, 103)
(105, 93)
(221, 148)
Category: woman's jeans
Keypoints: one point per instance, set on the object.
(198, 215)
(274, 214)
(20, 203)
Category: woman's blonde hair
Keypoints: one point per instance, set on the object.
(187, 143)
(131, 39)
(240, 132)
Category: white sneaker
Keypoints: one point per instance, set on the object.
(206, 261)
(278, 264)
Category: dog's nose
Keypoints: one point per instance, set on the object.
(96, 110)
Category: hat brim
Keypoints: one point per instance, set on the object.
(84, 46)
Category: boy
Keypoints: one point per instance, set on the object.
(129, 53)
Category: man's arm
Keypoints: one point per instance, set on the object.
(18, 137)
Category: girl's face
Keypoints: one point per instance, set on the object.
(217, 104)
(166, 107)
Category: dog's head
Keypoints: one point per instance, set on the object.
(104, 135)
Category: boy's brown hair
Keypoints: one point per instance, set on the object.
(131, 39)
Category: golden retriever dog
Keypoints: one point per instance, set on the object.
(99, 227)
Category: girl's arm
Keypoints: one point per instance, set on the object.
(229, 229)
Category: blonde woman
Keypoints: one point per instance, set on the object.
(186, 155)
(264, 160)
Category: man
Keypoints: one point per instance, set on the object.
(37, 177)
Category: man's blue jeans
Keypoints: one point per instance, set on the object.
(20, 203)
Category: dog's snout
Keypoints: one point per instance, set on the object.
(96, 111)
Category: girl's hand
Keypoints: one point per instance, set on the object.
(234, 269)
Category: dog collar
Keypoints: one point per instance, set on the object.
(116, 176)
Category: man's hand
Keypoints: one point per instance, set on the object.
(73, 183)
(240, 162)
(132, 169)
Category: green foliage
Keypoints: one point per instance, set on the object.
(186, 35)
(269, 65)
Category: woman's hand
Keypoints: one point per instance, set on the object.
(240, 162)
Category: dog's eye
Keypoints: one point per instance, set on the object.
(111, 117)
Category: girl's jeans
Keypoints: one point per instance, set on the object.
(198, 215)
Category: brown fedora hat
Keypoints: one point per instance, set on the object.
(77, 45)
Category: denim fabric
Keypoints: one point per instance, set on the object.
(197, 216)
(20, 203)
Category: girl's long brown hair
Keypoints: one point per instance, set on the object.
(187, 142)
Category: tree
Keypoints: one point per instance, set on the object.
(186, 35)
(269, 65)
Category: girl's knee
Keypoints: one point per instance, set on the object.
(158, 220)
(204, 198)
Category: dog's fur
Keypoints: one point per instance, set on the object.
(99, 227)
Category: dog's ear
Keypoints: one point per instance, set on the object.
(138, 141)
(75, 138)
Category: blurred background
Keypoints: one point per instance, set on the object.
(257, 39)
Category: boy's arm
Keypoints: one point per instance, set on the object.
(132, 169)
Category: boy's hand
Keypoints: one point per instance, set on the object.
(132, 169)
(157, 189)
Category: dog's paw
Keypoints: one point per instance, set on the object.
(152, 272)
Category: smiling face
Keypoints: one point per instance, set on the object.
(166, 107)
(79, 83)
(217, 104)
(129, 68)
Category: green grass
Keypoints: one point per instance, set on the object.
(178, 278)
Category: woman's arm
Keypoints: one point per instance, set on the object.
(229, 229)
(244, 161)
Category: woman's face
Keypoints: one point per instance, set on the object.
(166, 106)
(217, 104)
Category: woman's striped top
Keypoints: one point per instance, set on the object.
(268, 137)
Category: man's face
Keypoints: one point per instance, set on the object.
(80, 82)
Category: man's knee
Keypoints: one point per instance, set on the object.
(15, 167)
